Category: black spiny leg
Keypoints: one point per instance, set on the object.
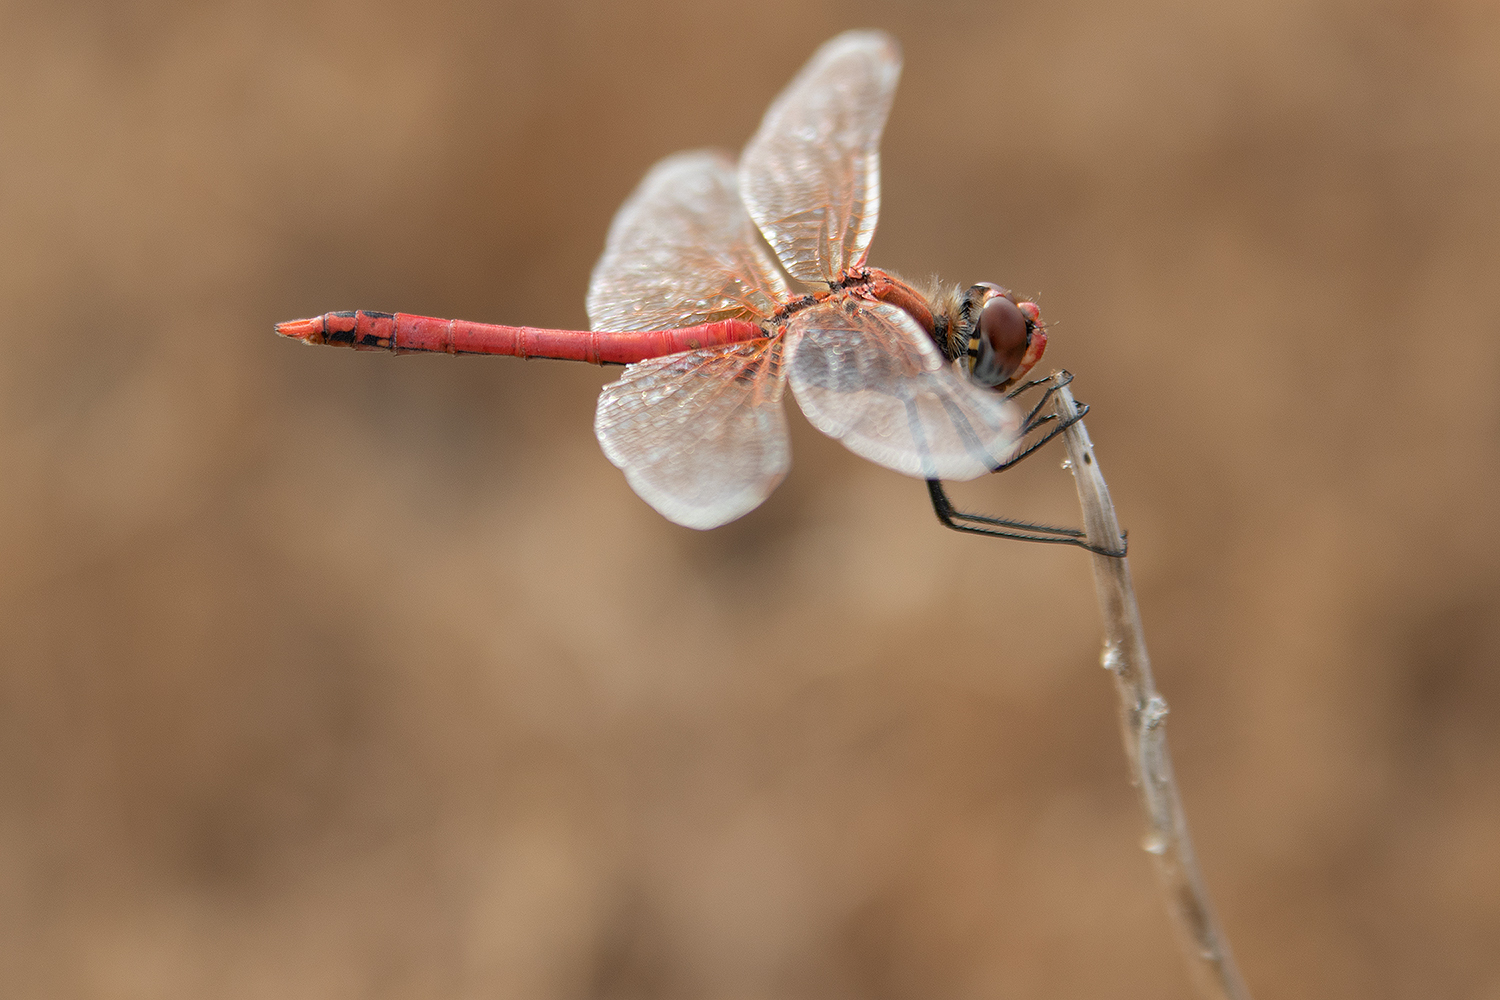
(1001, 527)
(1024, 531)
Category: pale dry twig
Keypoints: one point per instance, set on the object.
(1142, 725)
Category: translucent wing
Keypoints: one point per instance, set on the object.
(701, 435)
(866, 374)
(682, 251)
(811, 175)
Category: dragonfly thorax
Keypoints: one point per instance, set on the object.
(996, 336)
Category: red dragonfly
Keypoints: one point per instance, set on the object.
(687, 296)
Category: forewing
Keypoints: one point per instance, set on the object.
(866, 374)
(811, 176)
(681, 251)
(701, 436)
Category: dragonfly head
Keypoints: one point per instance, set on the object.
(1005, 335)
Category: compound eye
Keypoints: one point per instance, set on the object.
(1004, 335)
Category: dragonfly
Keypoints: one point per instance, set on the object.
(722, 283)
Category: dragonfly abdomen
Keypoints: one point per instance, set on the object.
(403, 333)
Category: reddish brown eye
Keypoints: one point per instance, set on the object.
(1003, 337)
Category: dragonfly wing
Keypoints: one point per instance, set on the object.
(681, 251)
(702, 435)
(811, 175)
(866, 374)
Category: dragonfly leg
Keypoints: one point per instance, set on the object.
(1025, 531)
(1053, 432)
(1057, 379)
(1053, 382)
(1003, 527)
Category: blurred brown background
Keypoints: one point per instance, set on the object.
(338, 675)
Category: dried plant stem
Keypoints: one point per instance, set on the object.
(1142, 716)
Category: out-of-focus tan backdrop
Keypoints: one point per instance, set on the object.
(337, 675)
